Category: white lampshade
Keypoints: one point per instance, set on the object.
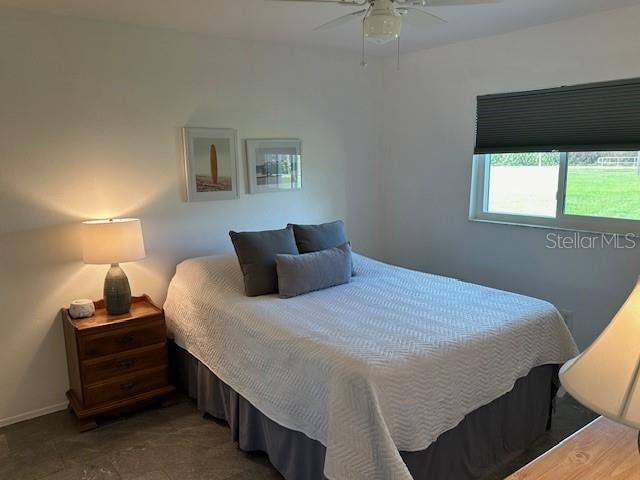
(112, 241)
(606, 376)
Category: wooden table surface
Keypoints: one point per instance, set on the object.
(602, 450)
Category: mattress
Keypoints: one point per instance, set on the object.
(385, 363)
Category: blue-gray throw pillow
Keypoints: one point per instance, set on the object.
(308, 272)
(257, 252)
(313, 238)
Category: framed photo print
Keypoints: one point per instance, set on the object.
(210, 163)
(274, 165)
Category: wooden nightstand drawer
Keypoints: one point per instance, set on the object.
(105, 368)
(144, 333)
(126, 386)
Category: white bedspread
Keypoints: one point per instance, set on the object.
(387, 362)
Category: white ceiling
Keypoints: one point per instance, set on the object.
(293, 23)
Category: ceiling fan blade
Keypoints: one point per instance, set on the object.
(341, 20)
(444, 3)
(419, 18)
(349, 3)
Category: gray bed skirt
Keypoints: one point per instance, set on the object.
(486, 438)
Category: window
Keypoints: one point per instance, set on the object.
(523, 183)
(565, 157)
(603, 184)
(593, 191)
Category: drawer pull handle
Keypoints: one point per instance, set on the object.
(124, 340)
(126, 364)
(127, 386)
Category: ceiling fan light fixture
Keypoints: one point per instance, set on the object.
(383, 28)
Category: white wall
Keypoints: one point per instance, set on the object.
(429, 115)
(89, 128)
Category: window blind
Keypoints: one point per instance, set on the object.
(590, 117)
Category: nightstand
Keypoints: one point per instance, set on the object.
(601, 450)
(116, 362)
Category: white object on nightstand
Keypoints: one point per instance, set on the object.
(82, 308)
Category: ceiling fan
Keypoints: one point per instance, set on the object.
(382, 20)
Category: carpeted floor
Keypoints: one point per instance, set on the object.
(175, 443)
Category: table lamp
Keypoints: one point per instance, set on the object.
(606, 376)
(113, 242)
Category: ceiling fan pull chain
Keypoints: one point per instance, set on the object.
(363, 63)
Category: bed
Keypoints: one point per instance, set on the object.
(396, 375)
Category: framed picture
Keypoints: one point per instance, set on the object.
(274, 165)
(210, 163)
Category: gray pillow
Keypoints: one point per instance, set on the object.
(298, 274)
(257, 252)
(313, 238)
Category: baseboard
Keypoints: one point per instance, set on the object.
(32, 414)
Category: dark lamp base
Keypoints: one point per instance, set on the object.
(117, 293)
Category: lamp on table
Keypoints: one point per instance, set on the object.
(113, 242)
(606, 376)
